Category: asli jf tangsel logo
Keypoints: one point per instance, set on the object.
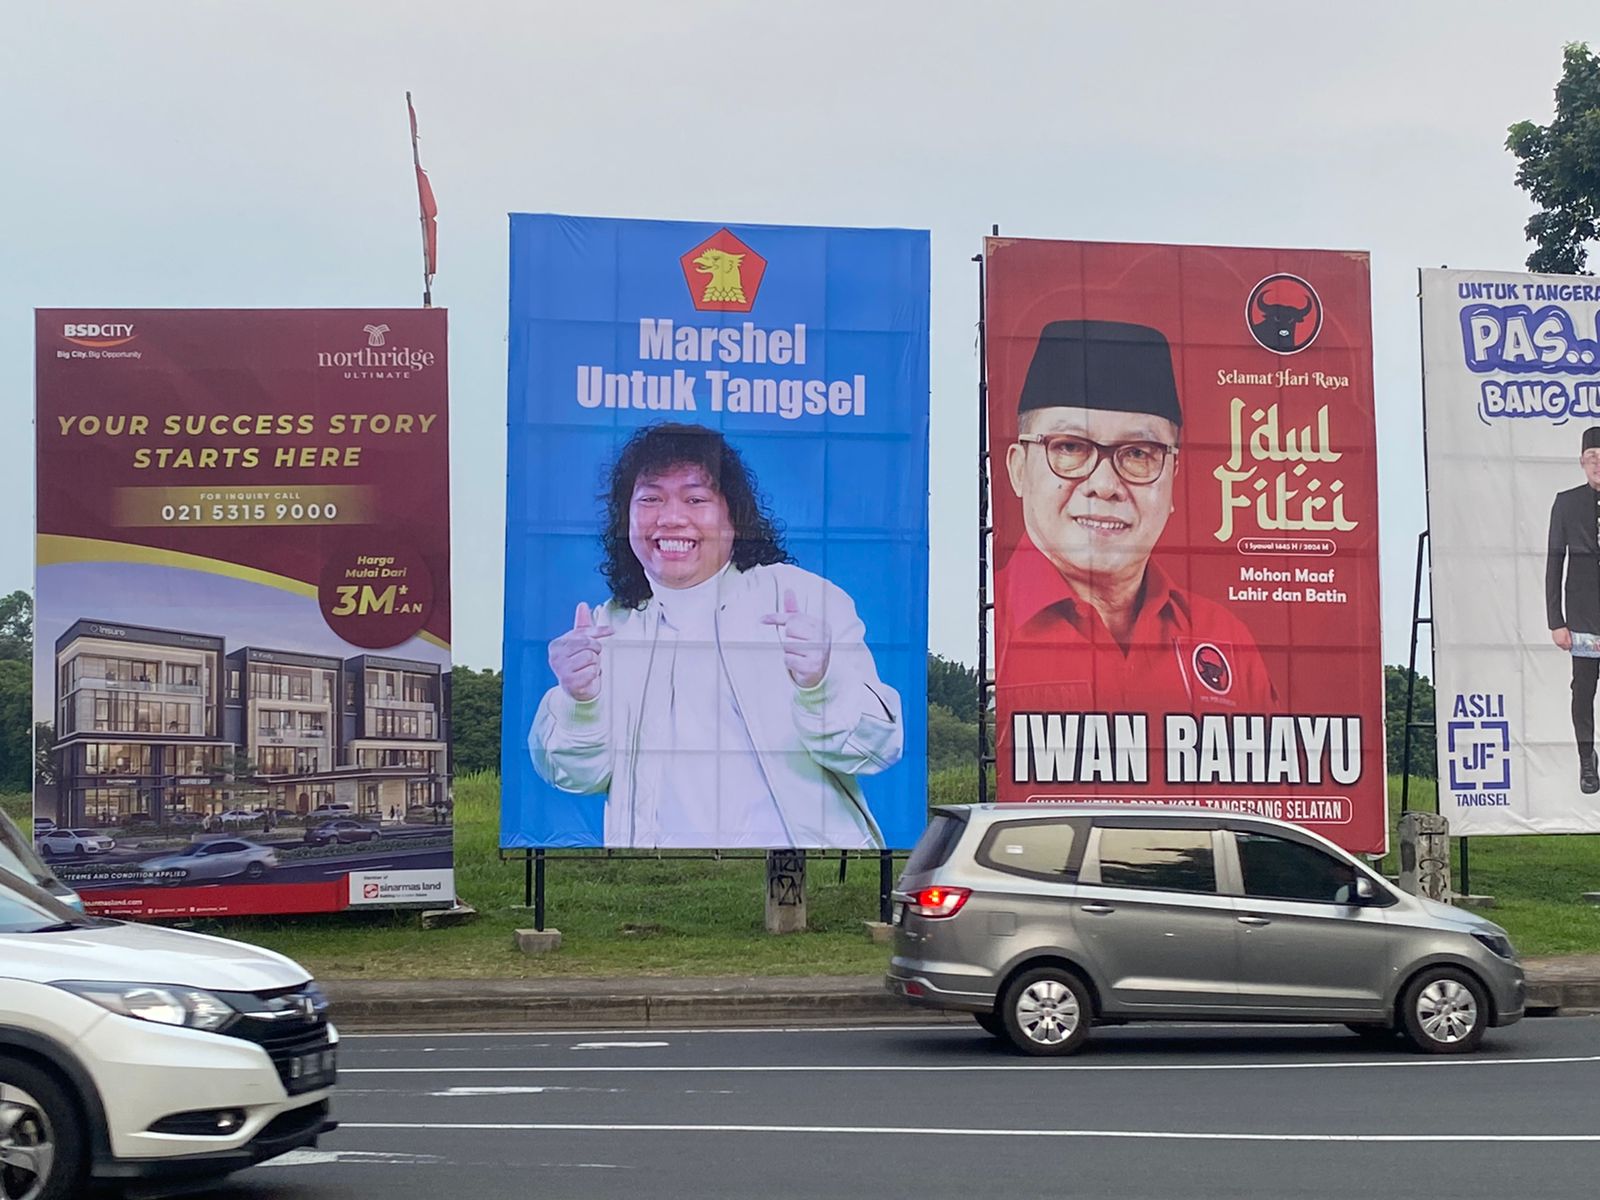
(724, 275)
(377, 359)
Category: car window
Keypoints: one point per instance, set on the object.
(1278, 869)
(1041, 849)
(1178, 860)
(934, 846)
(224, 847)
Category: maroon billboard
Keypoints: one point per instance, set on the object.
(242, 631)
(1186, 530)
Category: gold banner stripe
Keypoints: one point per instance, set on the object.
(53, 549)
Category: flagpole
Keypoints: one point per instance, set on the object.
(416, 163)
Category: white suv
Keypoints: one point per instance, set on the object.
(131, 1053)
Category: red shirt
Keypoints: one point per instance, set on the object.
(1054, 653)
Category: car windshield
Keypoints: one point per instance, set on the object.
(18, 857)
(28, 908)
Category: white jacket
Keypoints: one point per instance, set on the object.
(810, 744)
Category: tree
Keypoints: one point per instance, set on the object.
(954, 685)
(16, 725)
(952, 742)
(475, 698)
(16, 627)
(1559, 167)
(1424, 762)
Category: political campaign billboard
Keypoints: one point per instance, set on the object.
(1186, 530)
(716, 536)
(1511, 383)
(242, 626)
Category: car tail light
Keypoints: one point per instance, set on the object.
(938, 902)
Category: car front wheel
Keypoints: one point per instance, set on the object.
(1047, 1011)
(1445, 1011)
(42, 1151)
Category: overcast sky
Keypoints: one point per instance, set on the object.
(255, 155)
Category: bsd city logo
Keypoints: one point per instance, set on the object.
(1284, 314)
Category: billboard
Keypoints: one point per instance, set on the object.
(242, 618)
(716, 536)
(1186, 530)
(1511, 380)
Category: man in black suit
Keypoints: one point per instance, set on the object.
(1575, 608)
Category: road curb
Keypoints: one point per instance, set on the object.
(374, 1006)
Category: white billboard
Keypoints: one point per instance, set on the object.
(1511, 383)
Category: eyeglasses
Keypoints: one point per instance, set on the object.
(1072, 457)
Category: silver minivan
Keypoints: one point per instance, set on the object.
(1042, 921)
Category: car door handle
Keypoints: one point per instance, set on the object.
(1100, 910)
(1255, 921)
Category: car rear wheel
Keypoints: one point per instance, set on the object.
(41, 1141)
(1047, 1011)
(1445, 1011)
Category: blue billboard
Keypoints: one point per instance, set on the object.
(716, 577)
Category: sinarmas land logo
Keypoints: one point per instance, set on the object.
(723, 274)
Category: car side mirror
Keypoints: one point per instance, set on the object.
(1364, 892)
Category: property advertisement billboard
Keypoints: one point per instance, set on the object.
(1186, 530)
(716, 536)
(242, 618)
(1511, 380)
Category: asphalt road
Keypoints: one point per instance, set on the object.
(1181, 1112)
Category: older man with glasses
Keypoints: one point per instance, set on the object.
(1572, 596)
(1091, 623)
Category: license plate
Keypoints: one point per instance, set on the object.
(312, 1070)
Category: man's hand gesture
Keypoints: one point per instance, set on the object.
(807, 642)
(575, 655)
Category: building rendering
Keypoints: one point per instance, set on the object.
(165, 726)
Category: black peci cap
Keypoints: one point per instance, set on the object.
(1108, 365)
(1591, 437)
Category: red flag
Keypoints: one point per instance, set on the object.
(428, 207)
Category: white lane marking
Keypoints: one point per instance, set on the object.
(513, 1091)
(618, 1045)
(322, 1158)
(930, 1069)
(1175, 1135)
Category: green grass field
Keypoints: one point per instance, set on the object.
(677, 916)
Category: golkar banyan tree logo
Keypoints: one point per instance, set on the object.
(1284, 313)
(723, 274)
(377, 359)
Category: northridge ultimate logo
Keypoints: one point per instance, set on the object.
(723, 274)
(1284, 313)
(377, 360)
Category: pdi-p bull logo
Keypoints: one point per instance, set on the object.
(1284, 313)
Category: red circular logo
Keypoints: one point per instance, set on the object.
(375, 592)
(1284, 313)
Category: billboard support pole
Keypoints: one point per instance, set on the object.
(885, 874)
(1417, 621)
(984, 605)
(538, 890)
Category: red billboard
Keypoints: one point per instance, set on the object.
(1184, 479)
(242, 628)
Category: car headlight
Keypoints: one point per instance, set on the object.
(162, 1003)
(1496, 943)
